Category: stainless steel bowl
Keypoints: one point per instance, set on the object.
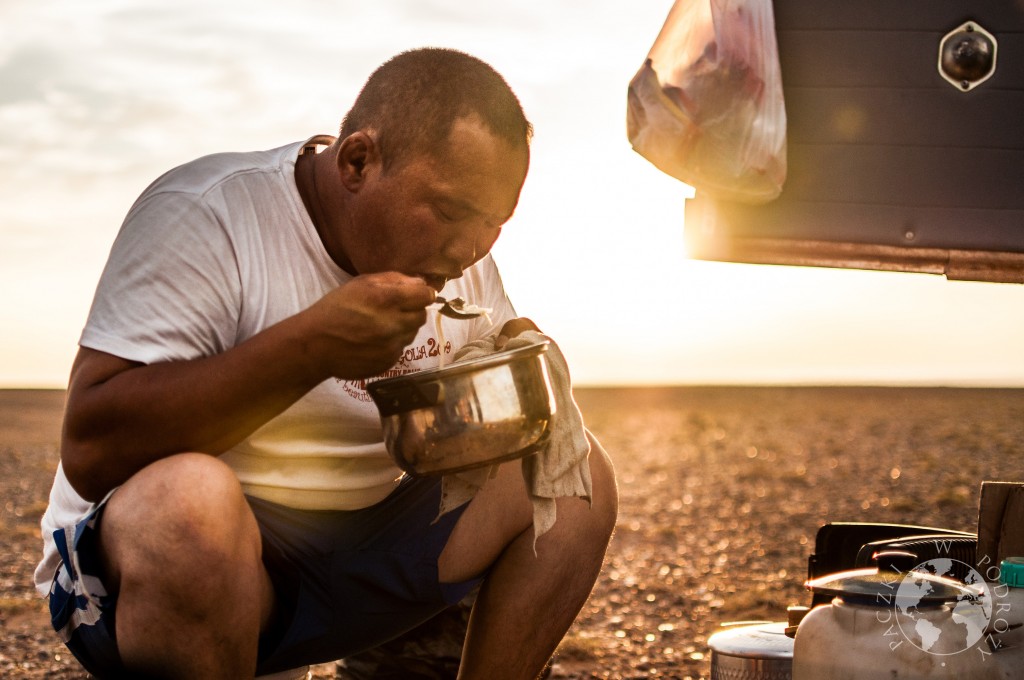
(469, 414)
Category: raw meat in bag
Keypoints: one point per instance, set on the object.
(707, 106)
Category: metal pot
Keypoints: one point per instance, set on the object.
(757, 651)
(469, 414)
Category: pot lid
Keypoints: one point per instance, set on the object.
(883, 588)
(760, 640)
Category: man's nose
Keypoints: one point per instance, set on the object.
(461, 249)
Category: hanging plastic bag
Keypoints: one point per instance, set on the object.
(707, 105)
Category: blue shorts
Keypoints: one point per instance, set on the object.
(346, 581)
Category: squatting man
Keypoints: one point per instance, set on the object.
(225, 506)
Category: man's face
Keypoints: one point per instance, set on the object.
(434, 215)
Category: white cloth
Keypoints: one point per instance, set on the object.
(559, 469)
(214, 252)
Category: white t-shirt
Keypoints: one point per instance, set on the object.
(211, 254)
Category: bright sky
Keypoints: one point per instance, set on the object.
(98, 98)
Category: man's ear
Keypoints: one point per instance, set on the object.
(358, 154)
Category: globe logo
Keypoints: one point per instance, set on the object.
(930, 626)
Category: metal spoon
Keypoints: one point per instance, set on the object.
(457, 308)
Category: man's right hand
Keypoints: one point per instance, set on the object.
(360, 329)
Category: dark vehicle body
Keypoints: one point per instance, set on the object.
(905, 143)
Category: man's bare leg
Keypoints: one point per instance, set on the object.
(183, 550)
(527, 602)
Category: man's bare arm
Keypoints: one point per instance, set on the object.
(122, 415)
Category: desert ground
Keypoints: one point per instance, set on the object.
(722, 491)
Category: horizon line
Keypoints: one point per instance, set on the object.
(739, 384)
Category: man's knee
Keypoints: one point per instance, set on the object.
(582, 531)
(501, 513)
(592, 523)
(605, 488)
(186, 511)
(182, 551)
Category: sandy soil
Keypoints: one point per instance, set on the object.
(722, 492)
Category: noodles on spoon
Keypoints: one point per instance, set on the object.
(469, 309)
